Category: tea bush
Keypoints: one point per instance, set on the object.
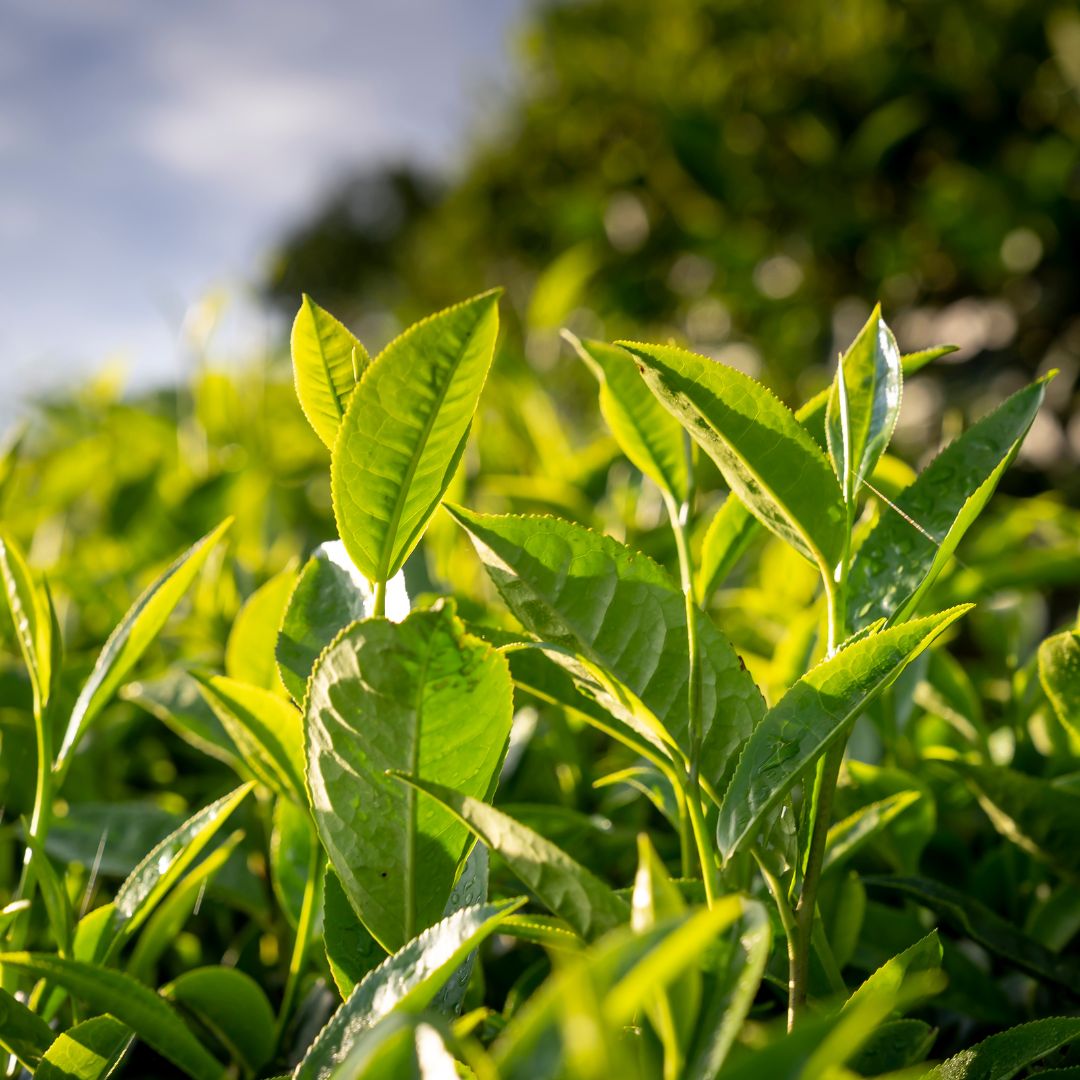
(773, 783)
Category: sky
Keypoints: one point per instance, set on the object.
(151, 152)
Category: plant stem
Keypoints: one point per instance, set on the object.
(303, 935)
(821, 809)
(380, 600)
(702, 840)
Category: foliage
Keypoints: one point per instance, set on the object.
(601, 772)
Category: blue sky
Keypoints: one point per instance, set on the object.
(151, 151)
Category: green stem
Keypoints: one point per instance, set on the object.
(787, 919)
(703, 842)
(303, 936)
(686, 832)
(380, 600)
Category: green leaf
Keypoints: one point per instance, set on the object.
(562, 885)
(405, 430)
(400, 1048)
(1034, 814)
(232, 1007)
(1008, 1053)
(645, 431)
(151, 1018)
(810, 717)
(327, 364)
(846, 837)
(53, 893)
(10, 912)
(267, 729)
(249, 650)
(984, 927)
(767, 458)
(911, 544)
(91, 1050)
(905, 974)
(897, 1044)
(30, 617)
(421, 696)
(133, 635)
(291, 841)
(617, 613)
(329, 595)
(351, 951)
(22, 1032)
(1059, 672)
(727, 539)
(408, 981)
(167, 863)
(864, 404)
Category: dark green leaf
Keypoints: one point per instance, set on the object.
(22, 1032)
(91, 1050)
(1003, 1056)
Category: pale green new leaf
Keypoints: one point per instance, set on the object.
(405, 430)
(1059, 673)
(727, 539)
(767, 458)
(563, 886)
(645, 431)
(615, 612)
(232, 1007)
(249, 650)
(92, 1050)
(133, 635)
(1005, 1055)
(846, 837)
(267, 729)
(421, 696)
(911, 544)
(810, 717)
(107, 991)
(22, 1032)
(864, 404)
(330, 593)
(327, 363)
(407, 981)
(1033, 813)
(30, 617)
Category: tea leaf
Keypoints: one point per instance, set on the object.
(816, 711)
(407, 981)
(846, 837)
(423, 696)
(645, 431)
(351, 951)
(404, 432)
(327, 364)
(728, 537)
(896, 1045)
(291, 841)
(232, 1007)
(133, 635)
(1008, 1053)
(766, 456)
(892, 981)
(249, 650)
(864, 404)
(151, 1018)
(330, 594)
(29, 616)
(22, 1032)
(617, 612)
(899, 560)
(1059, 672)
(91, 1050)
(562, 885)
(267, 729)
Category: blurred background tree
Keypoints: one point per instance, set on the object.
(749, 178)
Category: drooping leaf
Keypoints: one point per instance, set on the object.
(985, 927)
(29, 615)
(645, 431)
(249, 650)
(22, 1032)
(267, 729)
(616, 612)
(421, 696)
(407, 981)
(1059, 672)
(911, 544)
(562, 885)
(91, 1050)
(1005, 1055)
(404, 432)
(232, 1007)
(133, 635)
(864, 404)
(329, 595)
(151, 1018)
(1034, 814)
(328, 361)
(766, 456)
(809, 718)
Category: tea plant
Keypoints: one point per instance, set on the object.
(720, 921)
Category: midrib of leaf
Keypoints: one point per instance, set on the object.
(411, 824)
(387, 554)
(335, 399)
